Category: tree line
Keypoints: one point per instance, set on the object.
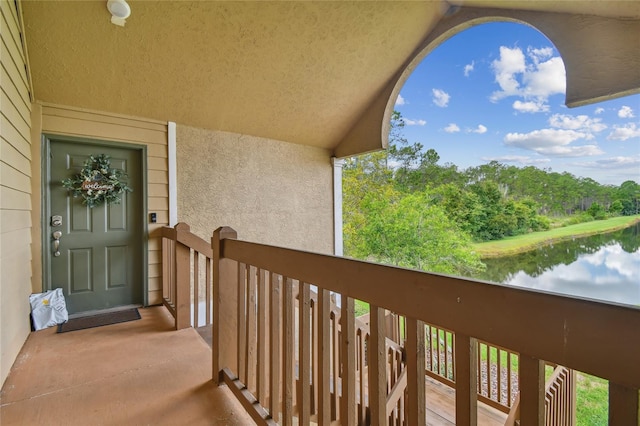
(404, 208)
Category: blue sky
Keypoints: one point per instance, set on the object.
(496, 92)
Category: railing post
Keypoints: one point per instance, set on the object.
(624, 409)
(532, 391)
(183, 281)
(415, 347)
(225, 295)
(466, 377)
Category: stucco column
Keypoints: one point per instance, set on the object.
(337, 205)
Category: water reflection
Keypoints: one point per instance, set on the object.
(604, 267)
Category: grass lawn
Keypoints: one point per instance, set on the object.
(523, 243)
(592, 401)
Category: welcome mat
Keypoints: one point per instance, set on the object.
(99, 320)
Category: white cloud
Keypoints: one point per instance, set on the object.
(613, 163)
(545, 79)
(579, 122)
(622, 133)
(468, 68)
(400, 101)
(452, 128)
(440, 98)
(530, 107)
(626, 112)
(480, 129)
(599, 110)
(552, 142)
(539, 54)
(410, 122)
(533, 78)
(520, 159)
(572, 151)
(511, 62)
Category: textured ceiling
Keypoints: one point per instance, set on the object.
(313, 73)
(293, 71)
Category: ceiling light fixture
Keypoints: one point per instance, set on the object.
(119, 10)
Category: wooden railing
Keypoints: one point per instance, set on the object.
(560, 397)
(497, 375)
(186, 276)
(272, 370)
(559, 400)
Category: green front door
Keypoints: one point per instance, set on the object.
(98, 256)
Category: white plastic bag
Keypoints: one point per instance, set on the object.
(48, 309)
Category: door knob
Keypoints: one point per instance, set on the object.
(56, 242)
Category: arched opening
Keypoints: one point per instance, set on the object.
(483, 148)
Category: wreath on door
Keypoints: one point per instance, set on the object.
(97, 182)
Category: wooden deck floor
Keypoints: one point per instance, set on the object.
(440, 401)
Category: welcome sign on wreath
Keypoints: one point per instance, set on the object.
(97, 182)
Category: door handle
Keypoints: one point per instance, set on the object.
(56, 242)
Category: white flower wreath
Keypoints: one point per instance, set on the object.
(97, 182)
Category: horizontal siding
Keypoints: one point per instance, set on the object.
(17, 130)
(115, 132)
(14, 179)
(157, 190)
(12, 220)
(15, 190)
(19, 96)
(11, 40)
(70, 121)
(13, 157)
(11, 199)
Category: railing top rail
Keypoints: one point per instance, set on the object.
(598, 338)
(182, 234)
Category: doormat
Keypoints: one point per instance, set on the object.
(99, 320)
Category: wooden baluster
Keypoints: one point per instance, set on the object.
(348, 414)
(623, 405)
(466, 380)
(324, 358)
(499, 374)
(315, 339)
(242, 322)
(415, 347)
(337, 362)
(304, 368)
(225, 295)
(261, 377)
(252, 331)
(183, 287)
(377, 367)
(532, 391)
(288, 351)
(208, 286)
(276, 348)
(572, 397)
(196, 288)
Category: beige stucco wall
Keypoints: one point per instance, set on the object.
(15, 191)
(269, 191)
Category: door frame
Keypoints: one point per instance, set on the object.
(46, 140)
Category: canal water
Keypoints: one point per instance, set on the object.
(604, 267)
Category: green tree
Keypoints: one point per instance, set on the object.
(597, 211)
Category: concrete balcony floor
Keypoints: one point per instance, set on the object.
(142, 373)
(135, 373)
